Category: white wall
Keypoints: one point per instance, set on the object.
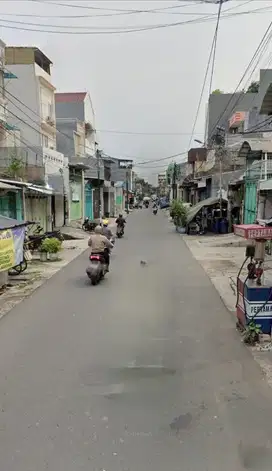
(53, 161)
(25, 89)
(89, 117)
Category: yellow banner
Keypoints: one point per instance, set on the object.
(7, 252)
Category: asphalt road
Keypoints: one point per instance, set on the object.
(144, 372)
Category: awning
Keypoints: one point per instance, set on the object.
(202, 204)
(9, 223)
(41, 190)
(6, 186)
(119, 184)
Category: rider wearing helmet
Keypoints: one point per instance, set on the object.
(120, 221)
(106, 230)
(100, 244)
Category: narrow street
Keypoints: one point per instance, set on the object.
(144, 372)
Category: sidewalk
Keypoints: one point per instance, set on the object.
(37, 272)
(221, 257)
(21, 286)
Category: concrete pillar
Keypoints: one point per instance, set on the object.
(261, 207)
(102, 200)
(82, 195)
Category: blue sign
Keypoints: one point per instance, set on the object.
(9, 75)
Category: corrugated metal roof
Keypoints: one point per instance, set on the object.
(6, 186)
(70, 97)
(202, 204)
(8, 223)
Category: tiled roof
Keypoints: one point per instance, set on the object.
(70, 97)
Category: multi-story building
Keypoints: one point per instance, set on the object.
(75, 116)
(31, 109)
(224, 108)
(76, 139)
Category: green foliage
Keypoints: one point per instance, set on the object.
(252, 333)
(178, 213)
(253, 87)
(217, 91)
(16, 165)
(51, 245)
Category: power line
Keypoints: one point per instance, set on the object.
(266, 37)
(158, 10)
(123, 31)
(210, 59)
(115, 131)
(67, 136)
(119, 10)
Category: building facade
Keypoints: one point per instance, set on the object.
(31, 114)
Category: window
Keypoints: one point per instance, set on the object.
(50, 110)
(45, 140)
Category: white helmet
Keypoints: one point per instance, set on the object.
(98, 229)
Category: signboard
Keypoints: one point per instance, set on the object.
(125, 164)
(253, 231)
(7, 253)
(11, 247)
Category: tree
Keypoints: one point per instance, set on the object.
(217, 92)
(253, 87)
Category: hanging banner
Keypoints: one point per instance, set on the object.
(18, 241)
(7, 253)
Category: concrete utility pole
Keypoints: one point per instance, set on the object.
(174, 182)
(127, 199)
(219, 139)
(98, 158)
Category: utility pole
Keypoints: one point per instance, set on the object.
(98, 157)
(127, 199)
(174, 182)
(219, 139)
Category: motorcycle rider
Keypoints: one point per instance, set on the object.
(100, 245)
(120, 221)
(106, 230)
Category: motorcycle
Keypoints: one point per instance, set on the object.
(155, 210)
(88, 225)
(120, 232)
(97, 268)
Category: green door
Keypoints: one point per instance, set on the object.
(250, 202)
(88, 201)
(75, 200)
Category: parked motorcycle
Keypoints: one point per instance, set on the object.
(97, 268)
(155, 210)
(88, 225)
(120, 232)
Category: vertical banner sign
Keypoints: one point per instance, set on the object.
(7, 253)
(18, 242)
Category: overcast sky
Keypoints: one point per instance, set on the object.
(144, 81)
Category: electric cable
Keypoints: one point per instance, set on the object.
(211, 58)
(265, 36)
(124, 31)
(71, 5)
(66, 135)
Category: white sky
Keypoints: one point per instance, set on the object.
(148, 81)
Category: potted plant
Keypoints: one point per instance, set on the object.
(178, 212)
(43, 253)
(51, 246)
